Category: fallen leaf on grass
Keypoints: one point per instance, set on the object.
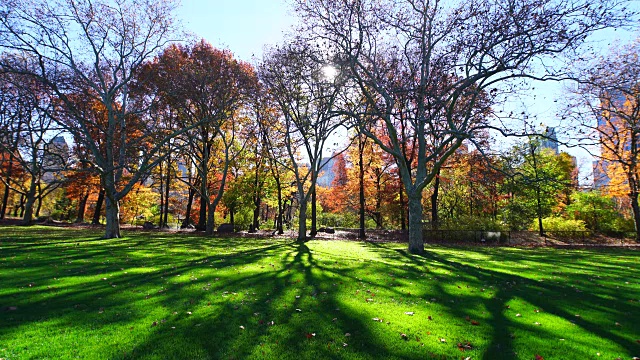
(518, 315)
(538, 357)
(310, 335)
(155, 323)
(241, 327)
(404, 336)
(443, 340)
(410, 313)
(464, 347)
(429, 317)
(347, 334)
(473, 322)
(100, 311)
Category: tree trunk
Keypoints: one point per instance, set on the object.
(314, 229)
(361, 200)
(82, 206)
(232, 217)
(416, 244)
(27, 216)
(210, 224)
(257, 201)
(5, 202)
(403, 222)
(187, 215)
(302, 220)
(112, 213)
(279, 227)
(164, 222)
(541, 229)
(636, 212)
(378, 211)
(160, 170)
(39, 207)
(434, 203)
(98, 210)
(202, 218)
(19, 207)
(5, 196)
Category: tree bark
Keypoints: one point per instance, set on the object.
(112, 213)
(39, 206)
(82, 206)
(314, 229)
(164, 222)
(635, 207)
(27, 216)
(256, 214)
(416, 244)
(279, 227)
(5, 196)
(202, 218)
(160, 170)
(187, 215)
(19, 207)
(302, 220)
(98, 210)
(434, 203)
(361, 200)
(403, 221)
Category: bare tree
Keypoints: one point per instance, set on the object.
(95, 47)
(305, 93)
(424, 66)
(35, 144)
(605, 107)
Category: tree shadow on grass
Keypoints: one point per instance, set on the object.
(291, 314)
(211, 298)
(551, 298)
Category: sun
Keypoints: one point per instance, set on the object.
(329, 72)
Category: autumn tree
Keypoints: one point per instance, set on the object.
(96, 47)
(442, 57)
(606, 108)
(210, 92)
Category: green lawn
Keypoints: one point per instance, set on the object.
(66, 294)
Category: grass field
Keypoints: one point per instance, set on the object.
(65, 293)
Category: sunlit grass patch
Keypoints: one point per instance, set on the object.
(65, 293)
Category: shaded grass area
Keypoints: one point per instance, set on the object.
(65, 293)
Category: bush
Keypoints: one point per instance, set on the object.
(343, 220)
(619, 227)
(472, 223)
(562, 227)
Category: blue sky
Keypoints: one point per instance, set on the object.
(242, 26)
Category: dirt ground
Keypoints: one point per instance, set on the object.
(515, 238)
